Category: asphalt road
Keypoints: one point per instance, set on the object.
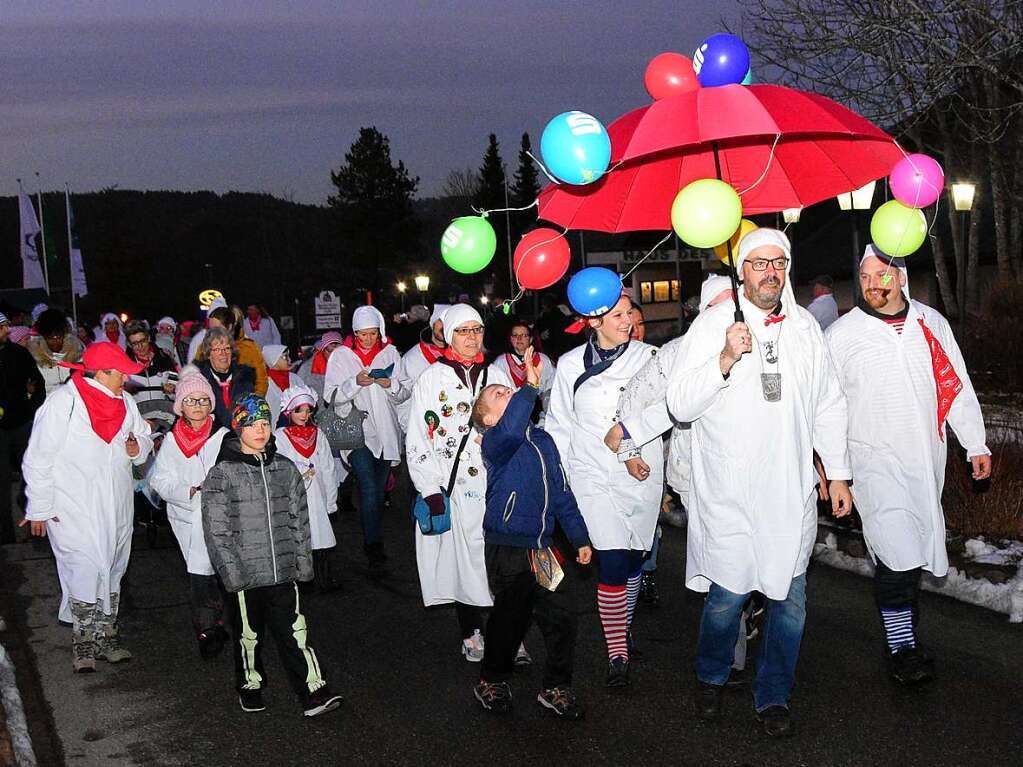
(408, 691)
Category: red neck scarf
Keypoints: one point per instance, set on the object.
(106, 413)
(366, 355)
(319, 363)
(430, 352)
(946, 381)
(225, 388)
(114, 336)
(280, 377)
(190, 441)
(302, 438)
(518, 369)
(453, 356)
(255, 323)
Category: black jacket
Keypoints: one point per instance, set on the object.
(17, 368)
(243, 381)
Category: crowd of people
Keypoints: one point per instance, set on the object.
(531, 460)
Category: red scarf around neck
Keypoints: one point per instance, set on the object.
(302, 438)
(113, 336)
(366, 356)
(320, 363)
(946, 380)
(190, 441)
(255, 323)
(106, 413)
(451, 354)
(518, 369)
(280, 377)
(431, 353)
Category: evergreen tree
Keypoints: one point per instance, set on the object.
(527, 180)
(492, 179)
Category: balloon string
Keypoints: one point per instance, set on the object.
(546, 172)
(655, 247)
(763, 175)
(539, 244)
(511, 301)
(485, 213)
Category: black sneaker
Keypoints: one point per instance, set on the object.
(911, 666)
(618, 672)
(251, 700)
(776, 722)
(377, 559)
(707, 700)
(495, 698)
(648, 593)
(211, 642)
(320, 702)
(740, 678)
(561, 700)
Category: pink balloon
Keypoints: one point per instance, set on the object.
(917, 180)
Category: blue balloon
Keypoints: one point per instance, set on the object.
(594, 291)
(576, 148)
(721, 59)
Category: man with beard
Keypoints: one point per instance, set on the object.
(761, 396)
(904, 377)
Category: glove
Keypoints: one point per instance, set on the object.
(436, 504)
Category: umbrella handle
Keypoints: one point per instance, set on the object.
(732, 275)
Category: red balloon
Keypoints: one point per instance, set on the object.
(541, 259)
(669, 74)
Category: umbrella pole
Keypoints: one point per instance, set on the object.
(732, 274)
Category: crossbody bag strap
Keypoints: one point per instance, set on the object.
(465, 440)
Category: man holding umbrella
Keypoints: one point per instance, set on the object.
(762, 396)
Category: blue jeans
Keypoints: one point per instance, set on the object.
(371, 475)
(778, 649)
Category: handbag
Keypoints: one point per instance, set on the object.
(441, 523)
(342, 433)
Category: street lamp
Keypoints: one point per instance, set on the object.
(962, 200)
(402, 287)
(422, 285)
(859, 199)
(484, 300)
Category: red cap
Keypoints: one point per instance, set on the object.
(105, 355)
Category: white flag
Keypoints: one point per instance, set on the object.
(75, 252)
(31, 266)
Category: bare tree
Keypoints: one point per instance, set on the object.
(462, 186)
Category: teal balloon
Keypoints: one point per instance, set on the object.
(468, 244)
(748, 79)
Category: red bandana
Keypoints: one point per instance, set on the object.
(255, 323)
(225, 390)
(946, 381)
(190, 441)
(430, 352)
(449, 354)
(302, 438)
(518, 369)
(366, 355)
(280, 377)
(319, 363)
(113, 336)
(106, 414)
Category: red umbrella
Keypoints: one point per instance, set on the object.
(778, 147)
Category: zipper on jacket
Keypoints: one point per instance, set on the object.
(543, 474)
(269, 516)
(509, 507)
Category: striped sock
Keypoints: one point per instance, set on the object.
(611, 604)
(632, 594)
(898, 627)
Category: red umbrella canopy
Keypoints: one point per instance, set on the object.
(778, 147)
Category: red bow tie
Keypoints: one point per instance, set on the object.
(773, 319)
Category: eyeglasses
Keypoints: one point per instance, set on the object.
(465, 332)
(220, 349)
(194, 402)
(760, 264)
(140, 342)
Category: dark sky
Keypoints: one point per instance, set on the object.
(266, 95)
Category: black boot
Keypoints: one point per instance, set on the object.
(377, 559)
(707, 700)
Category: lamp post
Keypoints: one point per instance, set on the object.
(857, 200)
(422, 285)
(962, 200)
(402, 287)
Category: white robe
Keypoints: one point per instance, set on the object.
(267, 333)
(380, 427)
(753, 510)
(83, 488)
(898, 460)
(321, 488)
(413, 363)
(195, 345)
(547, 373)
(620, 512)
(273, 396)
(451, 565)
(172, 477)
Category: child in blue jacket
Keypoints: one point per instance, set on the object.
(527, 494)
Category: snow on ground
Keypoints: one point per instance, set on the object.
(1003, 552)
(1001, 597)
(17, 726)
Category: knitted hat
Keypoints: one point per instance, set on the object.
(19, 334)
(3, 319)
(191, 384)
(169, 321)
(37, 310)
(249, 409)
(328, 338)
(455, 317)
(272, 353)
(295, 396)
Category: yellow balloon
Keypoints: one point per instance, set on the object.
(745, 227)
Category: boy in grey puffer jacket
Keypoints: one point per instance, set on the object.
(255, 519)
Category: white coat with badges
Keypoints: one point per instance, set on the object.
(83, 488)
(898, 459)
(173, 476)
(620, 512)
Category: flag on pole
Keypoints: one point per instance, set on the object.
(75, 252)
(31, 266)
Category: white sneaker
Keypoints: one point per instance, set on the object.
(472, 648)
(522, 657)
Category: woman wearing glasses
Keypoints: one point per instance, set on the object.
(441, 445)
(229, 379)
(153, 387)
(187, 454)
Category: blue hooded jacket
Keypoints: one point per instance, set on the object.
(527, 489)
